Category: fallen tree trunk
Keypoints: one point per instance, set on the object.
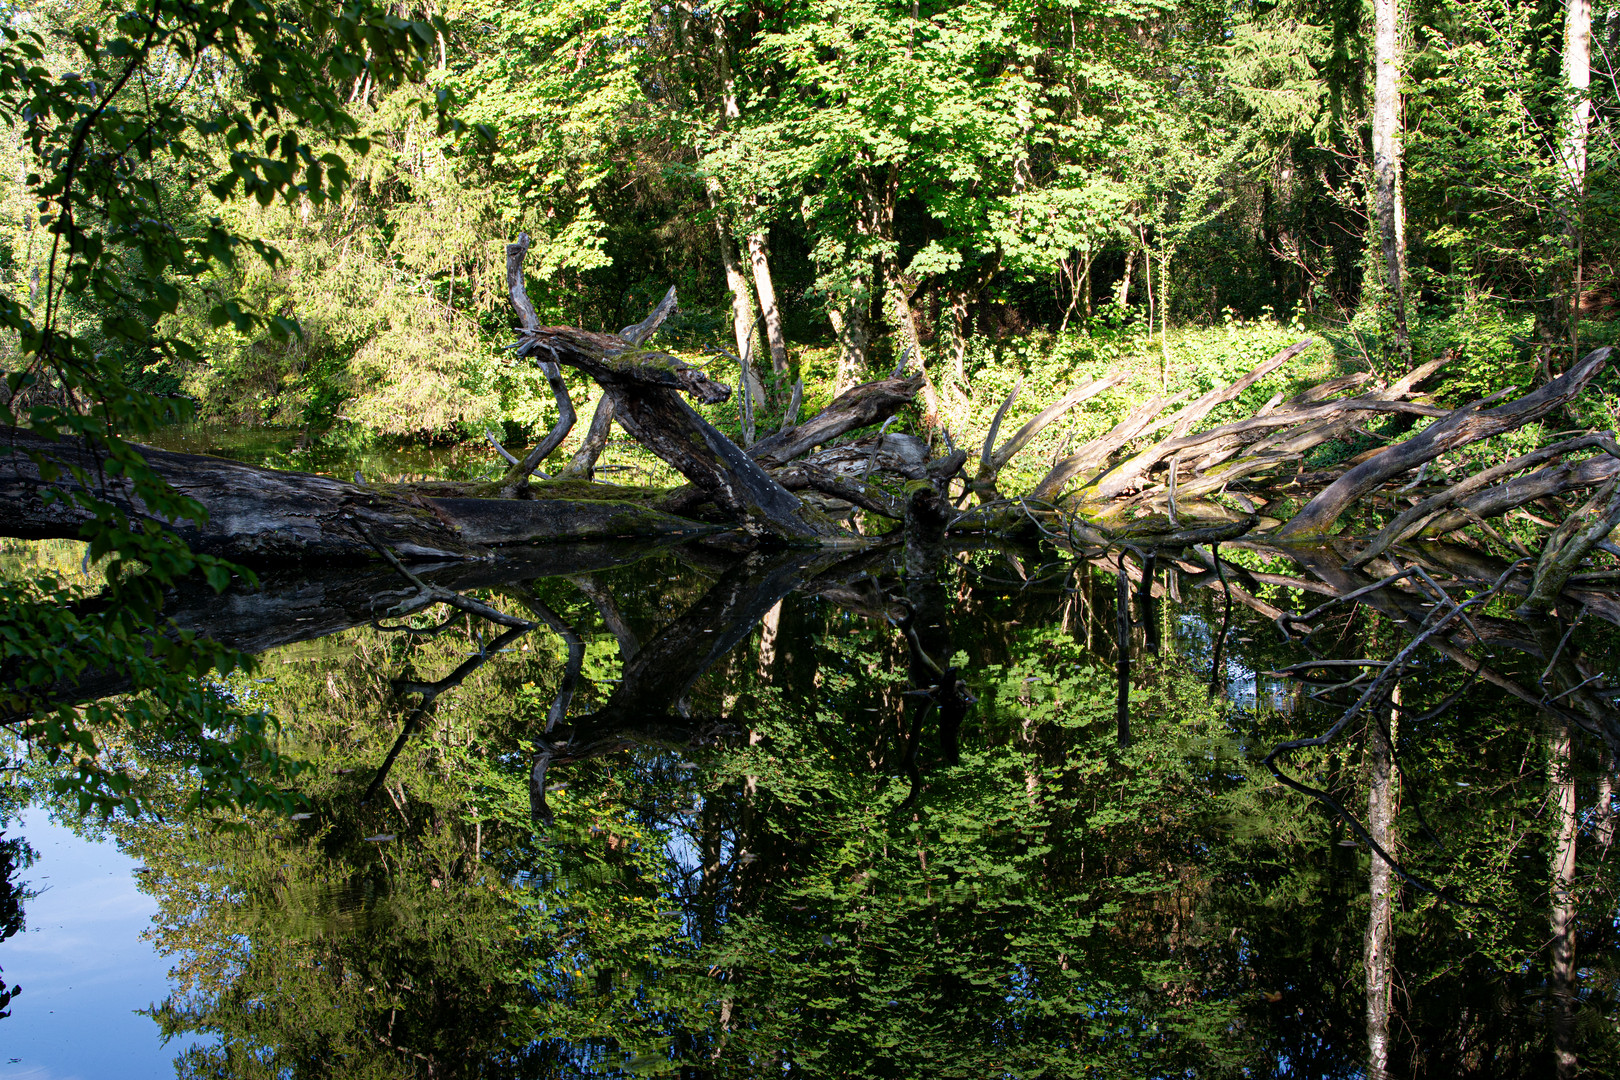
(261, 516)
(861, 406)
(1522, 490)
(1462, 427)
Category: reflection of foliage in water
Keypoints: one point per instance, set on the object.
(1048, 904)
(15, 857)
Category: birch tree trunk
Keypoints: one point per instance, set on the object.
(1572, 151)
(1561, 793)
(1378, 957)
(759, 257)
(1386, 137)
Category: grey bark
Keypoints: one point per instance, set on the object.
(861, 406)
(1387, 165)
(759, 259)
(1553, 480)
(850, 325)
(517, 477)
(264, 516)
(1570, 543)
(644, 387)
(993, 459)
(1464, 426)
(1378, 956)
(1561, 920)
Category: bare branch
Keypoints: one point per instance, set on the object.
(1462, 427)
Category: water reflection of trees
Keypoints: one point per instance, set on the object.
(762, 847)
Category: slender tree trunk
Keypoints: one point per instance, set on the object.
(1147, 279)
(1561, 789)
(1085, 282)
(901, 295)
(1378, 957)
(759, 256)
(742, 297)
(1123, 295)
(1386, 135)
(1164, 321)
(1577, 81)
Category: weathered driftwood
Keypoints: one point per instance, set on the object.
(261, 516)
(858, 407)
(644, 386)
(805, 476)
(1085, 461)
(1410, 522)
(1230, 436)
(1309, 436)
(518, 476)
(1125, 475)
(993, 459)
(582, 466)
(1464, 426)
(1197, 410)
(1523, 490)
(1569, 544)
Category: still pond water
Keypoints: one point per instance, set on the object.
(822, 815)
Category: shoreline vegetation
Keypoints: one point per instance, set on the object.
(1128, 312)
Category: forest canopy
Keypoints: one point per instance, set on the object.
(947, 176)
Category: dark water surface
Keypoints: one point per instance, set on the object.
(831, 815)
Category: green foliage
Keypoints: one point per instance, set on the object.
(107, 134)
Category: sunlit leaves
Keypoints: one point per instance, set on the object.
(103, 125)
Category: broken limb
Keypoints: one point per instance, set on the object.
(1412, 521)
(582, 466)
(805, 476)
(517, 477)
(1462, 427)
(1520, 491)
(858, 407)
(1569, 544)
(993, 459)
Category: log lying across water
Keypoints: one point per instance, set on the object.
(266, 516)
(1160, 478)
